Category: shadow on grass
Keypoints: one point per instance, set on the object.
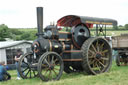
(64, 75)
(73, 75)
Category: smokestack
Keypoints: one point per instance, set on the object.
(40, 21)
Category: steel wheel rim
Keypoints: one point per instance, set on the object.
(98, 56)
(27, 67)
(50, 67)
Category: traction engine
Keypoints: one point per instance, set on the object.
(71, 49)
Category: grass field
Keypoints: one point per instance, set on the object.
(116, 76)
(112, 33)
(109, 32)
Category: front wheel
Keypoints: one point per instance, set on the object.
(27, 67)
(50, 66)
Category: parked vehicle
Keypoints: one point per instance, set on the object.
(120, 44)
(72, 51)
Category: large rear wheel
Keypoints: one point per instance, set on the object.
(97, 56)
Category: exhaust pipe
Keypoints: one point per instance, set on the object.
(40, 21)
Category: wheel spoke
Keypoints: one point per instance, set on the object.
(49, 74)
(101, 46)
(54, 72)
(105, 58)
(98, 66)
(55, 61)
(43, 65)
(92, 61)
(48, 59)
(25, 62)
(58, 64)
(91, 51)
(94, 64)
(101, 63)
(97, 46)
(34, 73)
(46, 72)
(105, 51)
(47, 62)
(30, 74)
(52, 59)
(94, 48)
(27, 73)
(25, 69)
(93, 56)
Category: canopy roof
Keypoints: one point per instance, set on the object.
(72, 20)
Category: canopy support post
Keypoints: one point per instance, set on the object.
(97, 30)
(105, 31)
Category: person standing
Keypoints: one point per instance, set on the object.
(17, 58)
(4, 75)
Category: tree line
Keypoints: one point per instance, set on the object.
(15, 34)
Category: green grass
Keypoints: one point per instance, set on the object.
(25, 29)
(112, 32)
(116, 33)
(116, 76)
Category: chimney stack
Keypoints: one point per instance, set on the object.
(40, 21)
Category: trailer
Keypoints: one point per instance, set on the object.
(120, 44)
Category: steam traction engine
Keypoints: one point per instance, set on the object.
(73, 50)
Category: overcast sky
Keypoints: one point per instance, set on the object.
(22, 13)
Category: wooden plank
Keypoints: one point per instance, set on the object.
(72, 59)
(120, 42)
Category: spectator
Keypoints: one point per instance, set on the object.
(17, 58)
(4, 75)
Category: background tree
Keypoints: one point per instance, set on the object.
(126, 26)
(4, 32)
(120, 25)
(27, 36)
(15, 34)
(115, 27)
